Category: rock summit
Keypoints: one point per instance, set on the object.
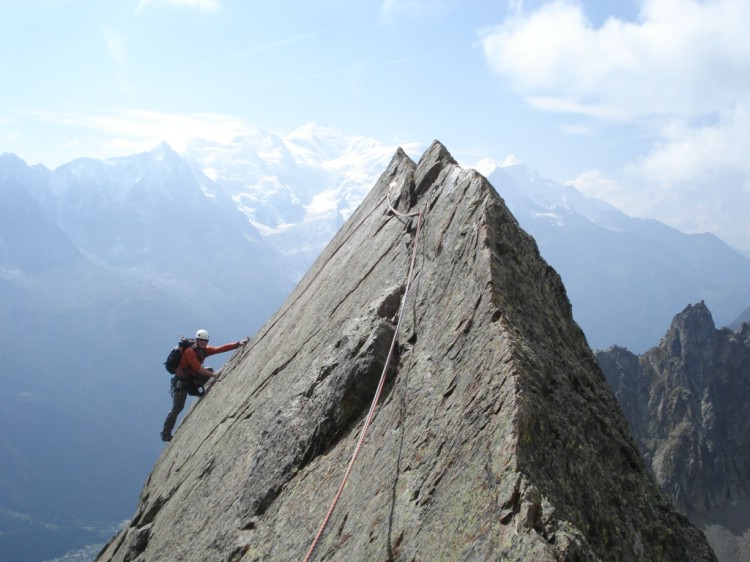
(496, 436)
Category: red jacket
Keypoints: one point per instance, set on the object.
(191, 361)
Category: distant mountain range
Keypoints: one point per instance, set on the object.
(105, 263)
(103, 266)
(626, 277)
(295, 190)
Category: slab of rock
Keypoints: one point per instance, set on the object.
(497, 437)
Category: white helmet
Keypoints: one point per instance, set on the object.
(201, 335)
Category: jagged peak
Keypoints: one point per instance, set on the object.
(698, 308)
(690, 330)
(400, 154)
(438, 151)
(435, 159)
(164, 152)
(10, 158)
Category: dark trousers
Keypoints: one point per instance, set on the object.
(179, 395)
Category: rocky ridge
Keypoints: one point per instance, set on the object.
(687, 401)
(497, 436)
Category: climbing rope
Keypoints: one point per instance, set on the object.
(381, 383)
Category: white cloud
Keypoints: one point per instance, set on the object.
(695, 179)
(510, 160)
(702, 173)
(487, 165)
(678, 74)
(596, 183)
(135, 131)
(699, 153)
(683, 57)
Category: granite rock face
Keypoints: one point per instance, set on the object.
(688, 404)
(497, 437)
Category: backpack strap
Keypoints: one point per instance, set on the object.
(200, 353)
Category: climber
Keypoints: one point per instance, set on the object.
(191, 375)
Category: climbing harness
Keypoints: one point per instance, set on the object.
(381, 383)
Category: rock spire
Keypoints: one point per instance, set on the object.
(687, 401)
(497, 437)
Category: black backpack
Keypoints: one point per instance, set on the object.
(174, 357)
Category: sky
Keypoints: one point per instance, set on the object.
(642, 103)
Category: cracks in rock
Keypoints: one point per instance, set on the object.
(462, 330)
(258, 389)
(207, 470)
(451, 388)
(263, 503)
(238, 553)
(340, 532)
(526, 505)
(139, 532)
(362, 278)
(354, 390)
(150, 514)
(334, 402)
(249, 405)
(431, 473)
(512, 506)
(394, 550)
(388, 307)
(394, 547)
(323, 374)
(139, 541)
(119, 539)
(441, 236)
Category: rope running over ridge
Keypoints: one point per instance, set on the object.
(381, 383)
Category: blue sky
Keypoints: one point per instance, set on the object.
(644, 103)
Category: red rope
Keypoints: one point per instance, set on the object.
(381, 383)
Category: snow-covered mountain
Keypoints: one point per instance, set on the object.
(103, 266)
(297, 190)
(29, 240)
